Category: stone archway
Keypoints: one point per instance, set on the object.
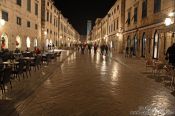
(4, 41)
(144, 45)
(35, 42)
(18, 42)
(50, 42)
(47, 42)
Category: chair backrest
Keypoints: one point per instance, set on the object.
(6, 74)
(26, 65)
(1, 72)
(168, 68)
(1, 66)
(21, 65)
(149, 62)
(37, 60)
(160, 66)
(48, 56)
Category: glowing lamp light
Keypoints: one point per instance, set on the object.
(117, 34)
(171, 14)
(168, 21)
(45, 32)
(106, 36)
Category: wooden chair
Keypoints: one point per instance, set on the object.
(150, 64)
(6, 78)
(170, 73)
(159, 68)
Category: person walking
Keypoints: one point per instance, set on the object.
(53, 46)
(102, 47)
(106, 49)
(83, 46)
(95, 48)
(131, 51)
(126, 51)
(170, 54)
(89, 48)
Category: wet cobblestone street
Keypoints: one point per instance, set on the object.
(92, 85)
(88, 85)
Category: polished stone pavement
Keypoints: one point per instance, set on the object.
(24, 88)
(93, 85)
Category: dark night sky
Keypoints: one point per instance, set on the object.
(79, 11)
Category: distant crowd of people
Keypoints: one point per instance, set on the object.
(104, 48)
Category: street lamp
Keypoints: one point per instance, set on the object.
(105, 36)
(45, 33)
(171, 20)
(168, 21)
(171, 14)
(118, 34)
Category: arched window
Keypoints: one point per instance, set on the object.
(28, 42)
(35, 42)
(156, 45)
(4, 41)
(157, 6)
(135, 44)
(18, 42)
(50, 42)
(144, 45)
(47, 42)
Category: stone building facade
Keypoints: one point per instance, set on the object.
(115, 26)
(22, 28)
(50, 23)
(138, 25)
(109, 29)
(33, 23)
(145, 30)
(55, 27)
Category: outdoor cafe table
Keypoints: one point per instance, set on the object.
(28, 58)
(17, 53)
(8, 63)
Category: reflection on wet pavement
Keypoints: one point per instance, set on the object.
(92, 85)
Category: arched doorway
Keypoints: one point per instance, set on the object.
(129, 42)
(156, 45)
(50, 42)
(135, 44)
(28, 42)
(35, 43)
(144, 45)
(18, 42)
(4, 41)
(47, 42)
